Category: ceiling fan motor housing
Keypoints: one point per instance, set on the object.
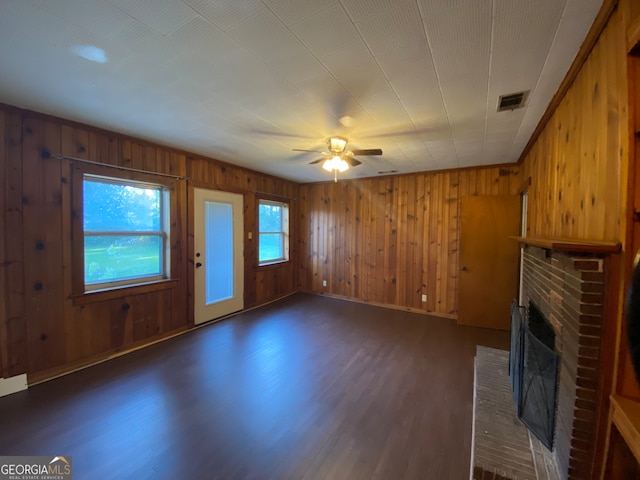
(337, 144)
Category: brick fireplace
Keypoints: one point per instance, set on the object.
(568, 289)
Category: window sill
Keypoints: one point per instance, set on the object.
(119, 292)
(267, 266)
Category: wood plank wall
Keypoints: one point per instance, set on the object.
(13, 348)
(577, 163)
(388, 240)
(43, 330)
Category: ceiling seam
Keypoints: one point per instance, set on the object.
(134, 18)
(423, 17)
(375, 59)
(535, 88)
(339, 2)
(304, 45)
(486, 107)
(255, 55)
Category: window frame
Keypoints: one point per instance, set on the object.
(166, 186)
(285, 229)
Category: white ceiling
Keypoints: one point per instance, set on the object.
(245, 81)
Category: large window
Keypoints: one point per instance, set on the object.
(273, 241)
(125, 232)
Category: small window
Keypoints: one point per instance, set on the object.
(273, 241)
(125, 232)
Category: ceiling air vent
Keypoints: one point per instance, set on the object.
(512, 101)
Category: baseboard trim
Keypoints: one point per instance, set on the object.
(255, 307)
(40, 377)
(56, 372)
(448, 316)
(13, 384)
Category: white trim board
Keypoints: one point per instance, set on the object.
(13, 384)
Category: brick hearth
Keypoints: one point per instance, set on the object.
(503, 448)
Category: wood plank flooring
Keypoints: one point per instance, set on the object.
(306, 388)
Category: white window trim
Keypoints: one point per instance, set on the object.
(284, 232)
(163, 233)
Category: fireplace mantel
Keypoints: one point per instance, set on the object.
(571, 245)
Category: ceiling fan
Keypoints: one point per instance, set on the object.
(338, 159)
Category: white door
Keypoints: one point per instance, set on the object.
(219, 269)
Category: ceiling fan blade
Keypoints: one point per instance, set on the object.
(317, 161)
(354, 162)
(275, 133)
(302, 150)
(371, 151)
(406, 132)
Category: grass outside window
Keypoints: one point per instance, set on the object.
(125, 232)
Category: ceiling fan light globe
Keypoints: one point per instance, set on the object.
(335, 163)
(338, 163)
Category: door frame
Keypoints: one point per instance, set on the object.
(225, 307)
(473, 259)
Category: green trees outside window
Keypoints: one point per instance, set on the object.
(124, 232)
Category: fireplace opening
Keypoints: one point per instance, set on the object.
(533, 370)
(540, 327)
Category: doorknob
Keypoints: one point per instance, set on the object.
(198, 265)
(463, 268)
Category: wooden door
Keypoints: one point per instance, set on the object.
(488, 276)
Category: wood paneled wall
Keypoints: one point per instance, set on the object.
(389, 240)
(44, 329)
(577, 162)
(13, 349)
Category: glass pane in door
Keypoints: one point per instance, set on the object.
(218, 251)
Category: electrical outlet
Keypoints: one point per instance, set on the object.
(324, 283)
(424, 297)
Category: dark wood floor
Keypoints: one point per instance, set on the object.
(306, 388)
